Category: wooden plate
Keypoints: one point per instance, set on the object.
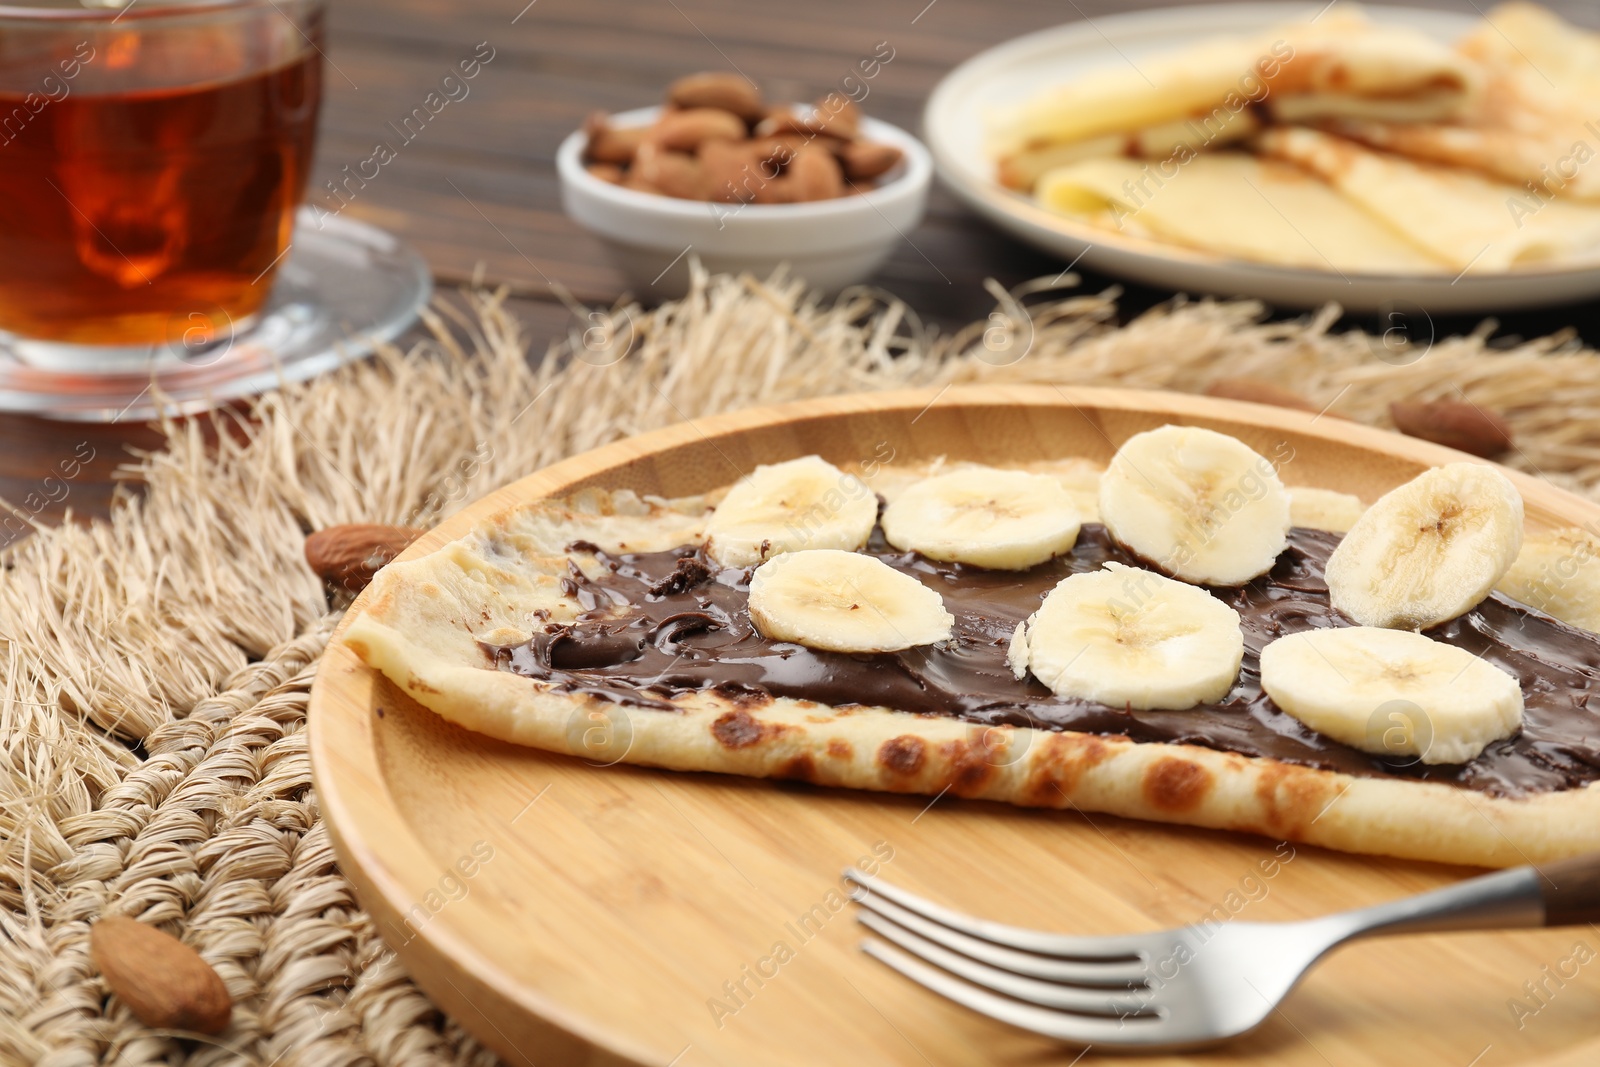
(570, 914)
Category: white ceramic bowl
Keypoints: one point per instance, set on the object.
(829, 243)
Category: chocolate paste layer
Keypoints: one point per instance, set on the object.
(684, 625)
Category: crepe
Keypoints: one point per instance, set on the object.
(1233, 204)
(1461, 218)
(1340, 65)
(1535, 125)
(425, 624)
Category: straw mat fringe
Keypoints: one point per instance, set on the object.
(154, 667)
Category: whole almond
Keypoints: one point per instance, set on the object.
(781, 148)
(839, 116)
(684, 131)
(718, 89)
(1453, 423)
(611, 144)
(865, 160)
(163, 982)
(781, 190)
(671, 173)
(815, 174)
(350, 555)
(606, 172)
(728, 170)
(780, 122)
(1258, 391)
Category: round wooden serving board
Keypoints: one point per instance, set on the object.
(573, 914)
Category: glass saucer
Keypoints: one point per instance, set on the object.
(344, 289)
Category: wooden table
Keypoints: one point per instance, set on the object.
(476, 190)
(479, 186)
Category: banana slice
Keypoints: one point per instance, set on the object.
(1392, 693)
(804, 503)
(1017, 651)
(1558, 572)
(1429, 550)
(1007, 520)
(1323, 509)
(1198, 504)
(844, 602)
(1133, 638)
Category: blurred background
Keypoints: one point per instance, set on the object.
(475, 190)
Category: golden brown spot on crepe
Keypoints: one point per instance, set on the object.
(903, 755)
(971, 764)
(839, 748)
(1057, 765)
(1173, 784)
(737, 729)
(801, 768)
(417, 685)
(1291, 799)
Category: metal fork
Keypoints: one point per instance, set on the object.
(1185, 988)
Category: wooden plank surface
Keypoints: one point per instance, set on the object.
(556, 60)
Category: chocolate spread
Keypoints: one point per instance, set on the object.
(656, 625)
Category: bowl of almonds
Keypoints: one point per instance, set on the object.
(720, 175)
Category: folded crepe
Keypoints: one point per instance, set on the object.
(1340, 65)
(1235, 205)
(1462, 218)
(1537, 122)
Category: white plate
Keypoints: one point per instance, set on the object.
(954, 123)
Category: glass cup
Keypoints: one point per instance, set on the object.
(152, 158)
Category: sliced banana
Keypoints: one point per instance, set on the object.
(1017, 651)
(1323, 509)
(1007, 520)
(1558, 572)
(844, 602)
(1200, 505)
(1129, 637)
(1393, 693)
(806, 503)
(1429, 550)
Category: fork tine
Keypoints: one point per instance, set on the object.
(1132, 947)
(1110, 973)
(1074, 1029)
(1101, 1003)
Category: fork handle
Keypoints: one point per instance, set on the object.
(1571, 891)
(1559, 894)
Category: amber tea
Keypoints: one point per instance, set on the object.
(132, 208)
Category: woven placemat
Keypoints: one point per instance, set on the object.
(156, 665)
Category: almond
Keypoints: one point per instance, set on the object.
(685, 131)
(728, 169)
(815, 174)
(606, 172)
(839, 116)
(348, 556)
(163, 982)
(1454, 423)
(865, 160)
(781, 123)
(611, 144)
(718, 89)
(1258, 391)
(672, 173)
